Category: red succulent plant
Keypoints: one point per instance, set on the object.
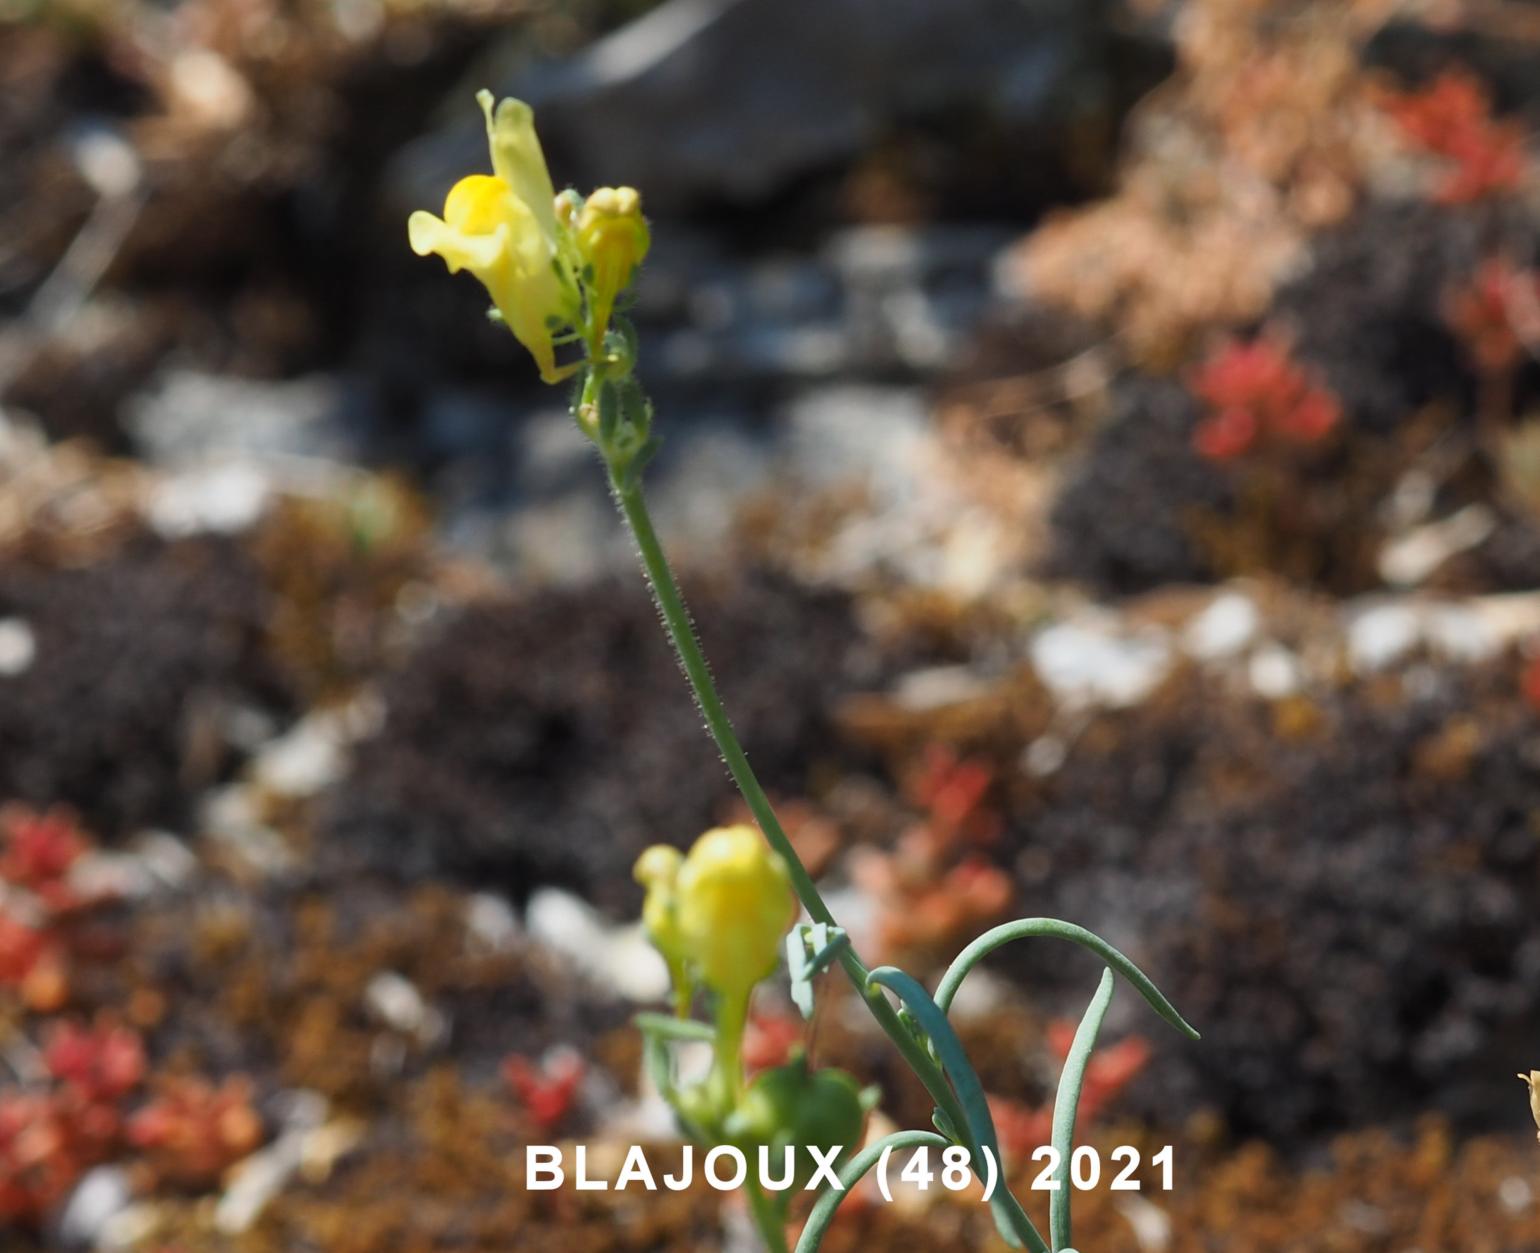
(1254, 392)
(1452, 118)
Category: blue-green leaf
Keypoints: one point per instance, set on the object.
(823, 1209)
(1010, 1219)
(1066, 1103)
(1027, 928)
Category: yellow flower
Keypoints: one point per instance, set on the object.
(657, 870)
(612, 238)
(502, 227)
(734, 905)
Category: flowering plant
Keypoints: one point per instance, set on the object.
(556, 267)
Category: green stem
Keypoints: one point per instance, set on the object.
(767, 1217)
(676, 621)
(727, 1066)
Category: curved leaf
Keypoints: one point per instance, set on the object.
(1066, 1103)
(1011, 1220)
(1053, 928)
(823, 1209)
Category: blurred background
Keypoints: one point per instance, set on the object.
(1102, 452)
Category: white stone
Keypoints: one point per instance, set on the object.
(1224, 628)
(1515, 1194)
(618, 958)
(936, 687)
(108, 162)
(1381, 635)
(18, 647)
(1092, 662)
(258, 1178)
(395, 1000)
(1044, 756)
(1411, 558)
(1274, 672)
(1460, 633)
(256, 1181)
(491, 922)
(224, 498)
(103, 1193)
(1151, 1224)
(304, 760)
(231, 815)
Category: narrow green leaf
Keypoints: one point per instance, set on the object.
(1027, 928)
(1066, 1104)
(660, 1066)
(810, 949)
(855, 1170)
(671, 1028)
(1010, 1220)
(796, 968)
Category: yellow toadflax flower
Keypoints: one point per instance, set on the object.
(720, 912)
(735, 904)
(502, 227)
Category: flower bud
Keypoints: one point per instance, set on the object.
(735, 903)
(612, 239)
(657, 870)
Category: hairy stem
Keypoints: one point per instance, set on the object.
(681, 634)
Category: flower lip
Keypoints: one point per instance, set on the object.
(477, 204)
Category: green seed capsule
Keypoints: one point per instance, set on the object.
(791, 1105)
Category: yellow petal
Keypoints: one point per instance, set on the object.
(517, 157)
(658, 865)
(735, 903)
(478, 204)
(502, 228)
(431, 235)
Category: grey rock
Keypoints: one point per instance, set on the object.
(705, 101)
(870, 302)
(187, 417)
